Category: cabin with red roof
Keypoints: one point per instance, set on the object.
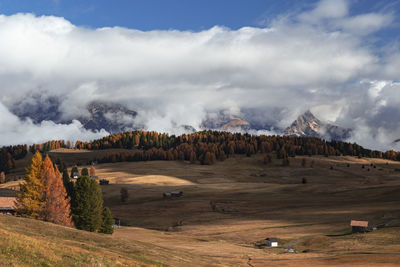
(7, 205)
(359, 226)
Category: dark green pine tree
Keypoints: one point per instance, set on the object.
(84, 172)
(68, 184)
(74, 170)
(108, 222)
(87, 205)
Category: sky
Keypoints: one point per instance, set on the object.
(189, 15)
(179, 62)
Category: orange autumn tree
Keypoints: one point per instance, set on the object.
(30, 200)
(57, 207)
(2, 178)
(92, 171)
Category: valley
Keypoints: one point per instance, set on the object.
(228, 207)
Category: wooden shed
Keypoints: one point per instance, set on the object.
(7, 205)
(359, 226)
(272, 242)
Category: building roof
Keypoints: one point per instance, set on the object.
(359, 223)
(7, 203)
(272, 239)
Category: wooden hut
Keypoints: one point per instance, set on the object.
(272, 242)
(7, 205)
(359, 226)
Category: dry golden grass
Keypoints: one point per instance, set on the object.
(26, 242)
(251, 206)
(253, 201)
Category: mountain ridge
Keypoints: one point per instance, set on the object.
(307, 125)
(115, 118)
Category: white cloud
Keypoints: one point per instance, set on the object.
(366, 23)
(14, 131)
(326, 9)
(173, 78)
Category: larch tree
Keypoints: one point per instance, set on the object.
(30, 199)
(2, 178)
(57, 207)
(207, 159)
(92, 171)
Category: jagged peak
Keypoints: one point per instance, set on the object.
(307, 125)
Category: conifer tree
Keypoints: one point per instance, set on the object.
(73, 171)
(207, 159)
(303, 162)
(2, 178)
(124, 194)
(30, 200)
(193, 157)
(84, 172)
(57, 207)
(87, 206)
(68, 184)
(108, 222)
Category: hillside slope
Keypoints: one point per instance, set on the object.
(26, 242)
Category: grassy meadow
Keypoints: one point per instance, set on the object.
(226, 210)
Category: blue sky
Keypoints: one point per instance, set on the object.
(152, 14)
(192, 15)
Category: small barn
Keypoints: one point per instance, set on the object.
(272, 242)
(359, 226)
(117, 223)
(173, 194)
(7, 205)
(104, 182)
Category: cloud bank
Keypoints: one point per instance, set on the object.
(15, 131)
(324, 59)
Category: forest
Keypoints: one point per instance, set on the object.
(204, 147)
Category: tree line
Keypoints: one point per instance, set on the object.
(207, 147)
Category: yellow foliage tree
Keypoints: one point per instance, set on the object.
(30, 200)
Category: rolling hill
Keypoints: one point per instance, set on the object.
(226, 210)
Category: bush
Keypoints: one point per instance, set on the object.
(124, 194)
(303, 162)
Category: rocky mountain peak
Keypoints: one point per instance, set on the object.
(307, 125)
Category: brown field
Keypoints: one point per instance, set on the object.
(253, 201)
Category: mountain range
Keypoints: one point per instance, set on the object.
(112, 117)
(115, 118)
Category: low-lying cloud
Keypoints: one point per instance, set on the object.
(323, 59)
(14, 131)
